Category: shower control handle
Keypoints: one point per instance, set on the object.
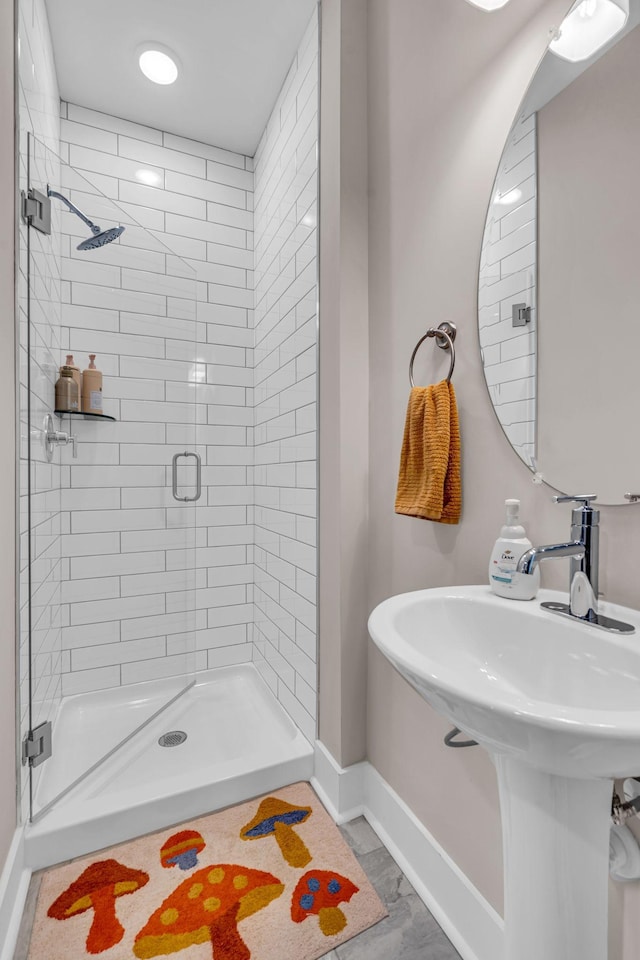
(174, 475)
(54, 437)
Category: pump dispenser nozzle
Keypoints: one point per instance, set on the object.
(513, 511)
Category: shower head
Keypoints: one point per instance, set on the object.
(100, 237)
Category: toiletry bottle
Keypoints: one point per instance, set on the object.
(91, 388)
(77, 376)
(509, 547)
(67, 396)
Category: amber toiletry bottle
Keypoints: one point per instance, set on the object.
(67, 396)
(91, 388)
(77, 376)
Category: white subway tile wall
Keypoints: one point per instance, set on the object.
(285, 390)
(205, 344)
(203, 208)
(39, 116)
(146, 573)
(508, 277)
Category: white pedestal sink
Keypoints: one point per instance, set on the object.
(556, 703)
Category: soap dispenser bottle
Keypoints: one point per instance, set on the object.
(77, 376)
(504, 579)
(91, 388)
(67, 397)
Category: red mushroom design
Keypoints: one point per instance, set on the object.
(97, 889)
(320, 893)
(276, 818)
(182, 850)
(207, 907)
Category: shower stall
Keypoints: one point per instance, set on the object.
(167, 662)
(68, 458)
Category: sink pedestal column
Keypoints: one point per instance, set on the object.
(556, 863)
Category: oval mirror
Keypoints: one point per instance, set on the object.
(559, 282)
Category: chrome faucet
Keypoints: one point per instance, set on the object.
(584, 551)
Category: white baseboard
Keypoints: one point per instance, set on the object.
(473, 926)
(341, 790)
(14, 885)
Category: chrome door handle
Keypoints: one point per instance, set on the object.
(174, 472)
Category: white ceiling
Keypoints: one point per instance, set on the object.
(234, 56)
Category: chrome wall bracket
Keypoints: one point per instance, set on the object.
(36, 210)
(37, 745)
(521, 315)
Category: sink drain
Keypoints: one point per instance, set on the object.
(172, 739)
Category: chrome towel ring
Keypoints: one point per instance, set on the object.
(445, 334)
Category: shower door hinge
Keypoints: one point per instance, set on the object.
(521, 315)
(36, 210)
(36, 746)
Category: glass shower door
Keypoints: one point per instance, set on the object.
(110, 501)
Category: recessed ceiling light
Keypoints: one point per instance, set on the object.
(158, 66)
(150, 177)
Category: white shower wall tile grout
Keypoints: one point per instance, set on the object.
(147, 596)
(285, 319)
(146, 573)
(122, 589)
(508, 276)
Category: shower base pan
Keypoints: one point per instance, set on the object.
(240, 743)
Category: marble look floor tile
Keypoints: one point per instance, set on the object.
(386, 876)
(408, 933)
(360, 836)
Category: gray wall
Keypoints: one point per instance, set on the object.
(445, 81)
(444, 84)
(344, 378)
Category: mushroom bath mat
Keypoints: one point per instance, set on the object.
(271, 879)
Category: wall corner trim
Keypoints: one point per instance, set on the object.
(475, 929)
(14, 886)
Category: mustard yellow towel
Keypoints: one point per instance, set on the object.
(429, 484)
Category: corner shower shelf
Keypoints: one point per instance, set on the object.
(85, 416)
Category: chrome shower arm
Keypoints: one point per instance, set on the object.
(53, 193)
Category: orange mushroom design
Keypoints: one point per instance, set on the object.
(320, 893)
(182, 850)
(276, 818)
(97, 889)
(208, 906)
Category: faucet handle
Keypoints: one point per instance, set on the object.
(585, 515)
(585, 499)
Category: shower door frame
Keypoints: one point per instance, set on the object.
(23, 761)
